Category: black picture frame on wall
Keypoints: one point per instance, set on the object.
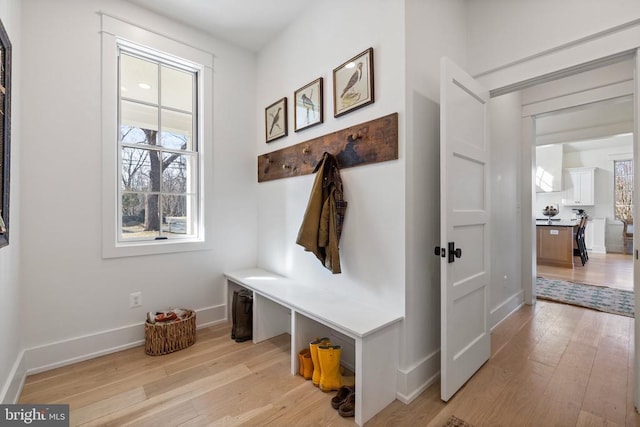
(5, 133)
(309, 110)
(275, 120)
(353, 86)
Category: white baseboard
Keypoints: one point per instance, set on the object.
(504, 309)
(73, 350)
(599, 250)
(413, 381)
(15, 381)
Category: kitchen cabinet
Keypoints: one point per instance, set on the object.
(579, 185)
(554, 244)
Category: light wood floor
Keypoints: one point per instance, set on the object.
(613, 270)
(551, 365)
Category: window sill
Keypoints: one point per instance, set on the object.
(152, 248)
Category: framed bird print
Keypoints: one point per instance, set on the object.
(308, 105)
(353, 84)
(275, 120)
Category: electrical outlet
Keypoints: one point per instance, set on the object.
(135, 299)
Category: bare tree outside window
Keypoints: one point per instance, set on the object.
(623, 190)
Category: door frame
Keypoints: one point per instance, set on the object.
(601, 93)
(562, 61)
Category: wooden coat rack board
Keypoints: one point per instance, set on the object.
(370, 142)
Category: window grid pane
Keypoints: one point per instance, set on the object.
(158, 173)
(138, 79)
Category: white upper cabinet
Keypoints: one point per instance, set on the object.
(579, 187)
(549, 168)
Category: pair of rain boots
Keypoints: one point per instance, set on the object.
(325, 359)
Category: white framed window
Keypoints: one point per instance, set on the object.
(156, 98)
(158, 148)
(623, 190)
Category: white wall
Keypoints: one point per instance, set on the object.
(506, 216)
(372, 246)
(392, 221)
(433, 29)
(504, 31)
(76, 303)
(11, 362)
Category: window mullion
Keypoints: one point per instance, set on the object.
(160, 152)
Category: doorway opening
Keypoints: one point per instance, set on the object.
(586, 116)
(593, 141)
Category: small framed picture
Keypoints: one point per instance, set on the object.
(353, 84)
(275, 120)
(308, 105)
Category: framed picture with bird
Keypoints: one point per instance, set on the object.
(308, 108)
(353, 84)
(275, 120)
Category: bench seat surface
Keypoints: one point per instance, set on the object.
(343, 312)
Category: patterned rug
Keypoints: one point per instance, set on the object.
(602, 298)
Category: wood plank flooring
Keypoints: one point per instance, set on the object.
(613, 270)
(551, 364)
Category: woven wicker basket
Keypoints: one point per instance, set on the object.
(164, 338)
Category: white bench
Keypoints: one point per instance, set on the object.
(281, 305)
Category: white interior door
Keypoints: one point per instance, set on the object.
(464, 206)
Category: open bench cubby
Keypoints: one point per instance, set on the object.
(369, 335)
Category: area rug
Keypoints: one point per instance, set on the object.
(602, 298)
(454, 421)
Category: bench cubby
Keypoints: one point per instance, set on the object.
(369, 335)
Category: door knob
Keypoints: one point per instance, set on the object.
(454, 252)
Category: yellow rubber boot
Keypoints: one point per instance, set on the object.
(329, 356)
(307, 364)
(302, 354)
(313, 347)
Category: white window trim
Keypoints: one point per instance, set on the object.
(116, 31)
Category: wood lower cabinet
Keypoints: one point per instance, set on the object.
(554, 246)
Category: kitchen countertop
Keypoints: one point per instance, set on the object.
(558, 223)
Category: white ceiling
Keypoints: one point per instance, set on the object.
(594, 120)
(611, 142)
(250, 24)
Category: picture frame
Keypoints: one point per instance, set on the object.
(275, 120)
(5, 133)
(308, 105)
(353, 86)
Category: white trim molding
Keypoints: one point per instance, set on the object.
(413, 381)
(66, 352)
(587, 53)
(114, 31)
(15, 381)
